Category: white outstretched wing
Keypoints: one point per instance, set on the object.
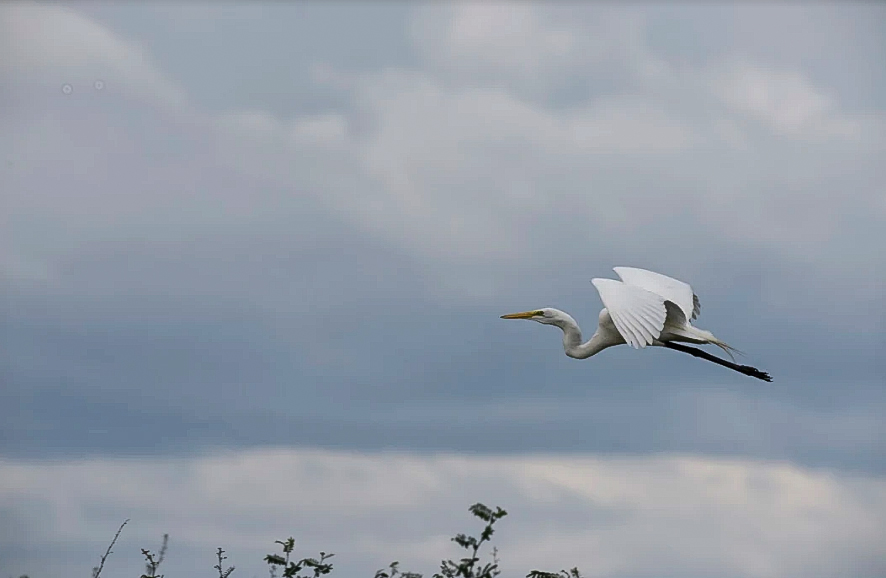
(671, 289)
(638, 314)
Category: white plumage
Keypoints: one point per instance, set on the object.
(675, 291)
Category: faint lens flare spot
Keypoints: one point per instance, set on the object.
(67, 89)
(98, 84)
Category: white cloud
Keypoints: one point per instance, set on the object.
(533, 51)
(784, 99)
(506, 37)
(475, 175)
(460, 162)
(613, 516)
(452, 171)
(253, 123)
(471, 168)
(64, 47)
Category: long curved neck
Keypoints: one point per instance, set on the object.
(572, 340)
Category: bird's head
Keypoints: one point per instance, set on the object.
(546, 316)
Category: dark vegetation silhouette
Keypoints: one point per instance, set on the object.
(284, 564)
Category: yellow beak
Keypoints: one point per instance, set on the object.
(524, 315)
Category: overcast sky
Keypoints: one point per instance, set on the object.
(257, 254)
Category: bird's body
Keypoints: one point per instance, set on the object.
(644, 308)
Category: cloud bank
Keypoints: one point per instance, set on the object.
(611, 516)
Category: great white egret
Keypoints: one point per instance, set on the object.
(644, 308)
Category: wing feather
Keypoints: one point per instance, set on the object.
(639, 315)
(639, 336)
(671, 289)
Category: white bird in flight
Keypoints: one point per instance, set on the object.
(644, 308)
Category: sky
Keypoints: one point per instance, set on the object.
(253, 258)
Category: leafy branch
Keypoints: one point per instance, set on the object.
(291, 569)
(467, 567)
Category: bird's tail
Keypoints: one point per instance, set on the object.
(726, 347)
(697, 335)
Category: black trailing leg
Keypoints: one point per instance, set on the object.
(745, 369)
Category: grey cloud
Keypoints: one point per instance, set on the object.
(43, 41)
(201, 46)
(615, 516)
(391, 180)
